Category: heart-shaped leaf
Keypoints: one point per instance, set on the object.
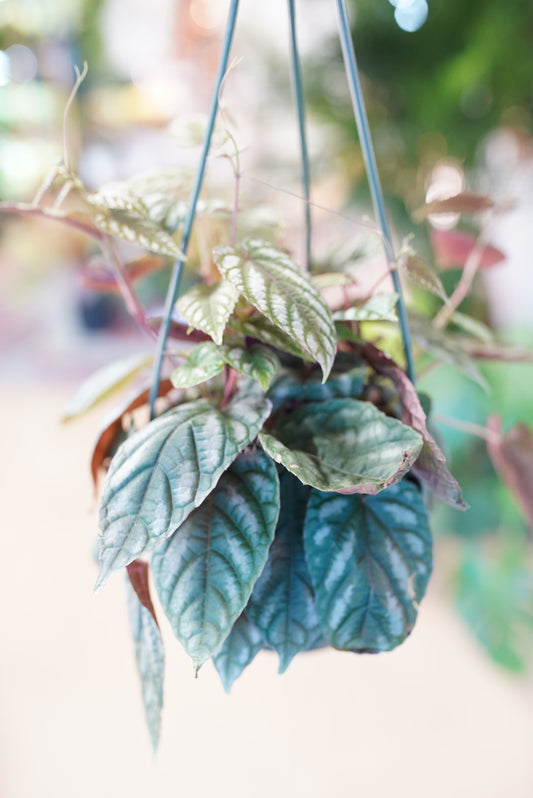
(282, 605)
(208, 307)
(203, 363)
(262, 329)
(343, 445)
(205, 572)
(149, 651)
(273, 283)
(257, 362)
(163, 471)
(370, 559)
(237, 651)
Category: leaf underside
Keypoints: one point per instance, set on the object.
(165, 470)
(205, 572)
(370, 559)
(343, 445)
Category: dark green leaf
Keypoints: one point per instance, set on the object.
(203, 363)
(293, 386)
(205, 572)
(282, 605)
(149, 650)
(208, 307)
(370, 560)
(272, 282)
(343, 445)
(103, 383)
(237, 651)
(163, 471)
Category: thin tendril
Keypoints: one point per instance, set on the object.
(80, 77)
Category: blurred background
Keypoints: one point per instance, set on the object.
(449, 89)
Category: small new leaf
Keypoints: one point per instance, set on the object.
(258, 362)
(381, 307)
(261, 329)
(343, 445)
(208, 308)
(274, 284)
(282, 605)
(203, 363)
(421, 274)
(205, 572)
(165, 470)
(370, 560)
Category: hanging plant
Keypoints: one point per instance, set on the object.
(277, 495)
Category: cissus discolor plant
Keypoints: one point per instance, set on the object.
(277, 493)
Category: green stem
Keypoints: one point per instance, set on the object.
(175, 280)
(300, 104)
(376, 192)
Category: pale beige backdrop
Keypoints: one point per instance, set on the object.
(434, 719)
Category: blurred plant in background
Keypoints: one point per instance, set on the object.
(449, 92)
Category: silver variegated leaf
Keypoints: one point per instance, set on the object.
(205, 572)
(343, 445)
(262, 329)
(204, 362)
(208, 307)
(293, 386)
(257, 362)
(282, 605)
(237, 651)
(161, 473)
(128, 218)
(370, 559)
(273, 283)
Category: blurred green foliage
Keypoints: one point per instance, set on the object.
(468, 69)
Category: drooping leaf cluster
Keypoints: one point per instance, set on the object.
(275, 497)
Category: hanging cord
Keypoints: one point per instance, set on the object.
(376, 192)
(300, 105)
(175, 280)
